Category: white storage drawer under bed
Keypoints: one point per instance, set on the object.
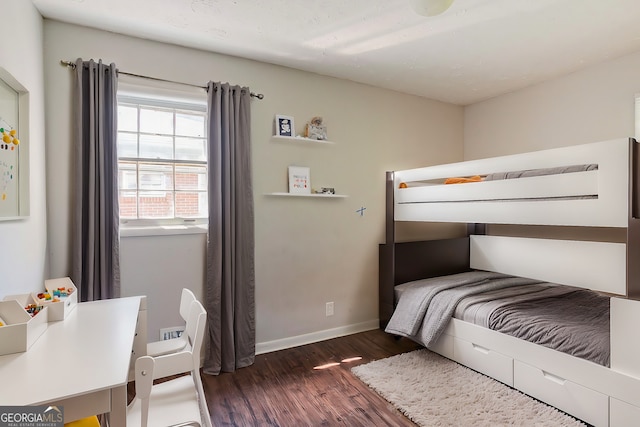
(444, 346)
(481, 359)
(577, 400)
(623, 414)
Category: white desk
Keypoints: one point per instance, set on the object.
(81, 363)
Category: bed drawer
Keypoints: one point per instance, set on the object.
(623, 414)
(579, 401)
(444, 346)
(484, 360)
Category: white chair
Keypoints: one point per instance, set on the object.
(176, 402)
(170, 403)
(187, 359)
(158, 348)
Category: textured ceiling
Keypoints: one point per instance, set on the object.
(476, 50)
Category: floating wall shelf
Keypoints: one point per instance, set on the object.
(320, 196)
(300, 139)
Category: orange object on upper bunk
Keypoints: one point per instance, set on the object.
(475, 178)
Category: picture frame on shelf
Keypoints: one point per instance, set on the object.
(299, 180)
(285, 125)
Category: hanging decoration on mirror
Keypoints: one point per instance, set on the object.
(9, 135)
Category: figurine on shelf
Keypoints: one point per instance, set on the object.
(316, 130)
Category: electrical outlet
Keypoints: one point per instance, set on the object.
(170, 333)
(329, 308)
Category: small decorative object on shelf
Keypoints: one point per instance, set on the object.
(316, 130)
(299, 180)
(284, 126)
(325, 190)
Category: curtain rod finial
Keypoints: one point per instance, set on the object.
(67, 63)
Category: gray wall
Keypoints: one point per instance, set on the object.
(592, 105)
(308, 251)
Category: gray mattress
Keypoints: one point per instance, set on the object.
(572, 320)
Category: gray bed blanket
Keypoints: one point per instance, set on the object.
(477, 309)
(416, 297)
(426, 306)
(576, 324)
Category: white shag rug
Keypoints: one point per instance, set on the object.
(434, 391)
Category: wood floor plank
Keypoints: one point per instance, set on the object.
(311, 385)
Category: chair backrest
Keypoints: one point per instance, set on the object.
(195, 329)
(144, 383)
(188, 359)
(186, 299)
(145, 367)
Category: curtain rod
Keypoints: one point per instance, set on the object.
(73, 65)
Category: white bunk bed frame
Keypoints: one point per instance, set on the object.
(599, 395)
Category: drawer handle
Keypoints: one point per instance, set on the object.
(556, 379)
(480, 349)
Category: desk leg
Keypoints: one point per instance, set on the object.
(118, 414)
(140, 339)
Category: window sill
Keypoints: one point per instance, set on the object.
(163, 230)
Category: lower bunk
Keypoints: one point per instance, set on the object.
(593, 393)
(595, 377)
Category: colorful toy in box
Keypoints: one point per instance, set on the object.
(44, 296)
(33, 309)
(55, 295)
(62, 292)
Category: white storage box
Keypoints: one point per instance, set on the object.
(23, 299)
(60, 309)
(20, 330)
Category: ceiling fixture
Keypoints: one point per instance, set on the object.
(430, 7)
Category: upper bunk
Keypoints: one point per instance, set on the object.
(590, 185)
(584, 185)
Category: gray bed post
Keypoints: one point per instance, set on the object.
(386, 257)
(476, 228)
(633, 227)
(390, 227)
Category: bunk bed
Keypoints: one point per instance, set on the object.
(583, 187)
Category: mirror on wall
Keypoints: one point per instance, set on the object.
(14, 164)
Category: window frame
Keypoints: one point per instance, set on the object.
(175, 225)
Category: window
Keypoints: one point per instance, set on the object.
(162, 161)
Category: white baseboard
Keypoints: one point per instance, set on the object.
(281, 344)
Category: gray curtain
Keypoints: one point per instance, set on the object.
(230, 281)
(95, 265)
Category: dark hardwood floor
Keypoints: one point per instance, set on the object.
(311, 385)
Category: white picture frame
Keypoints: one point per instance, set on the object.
(299, 180)
(285, 126)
